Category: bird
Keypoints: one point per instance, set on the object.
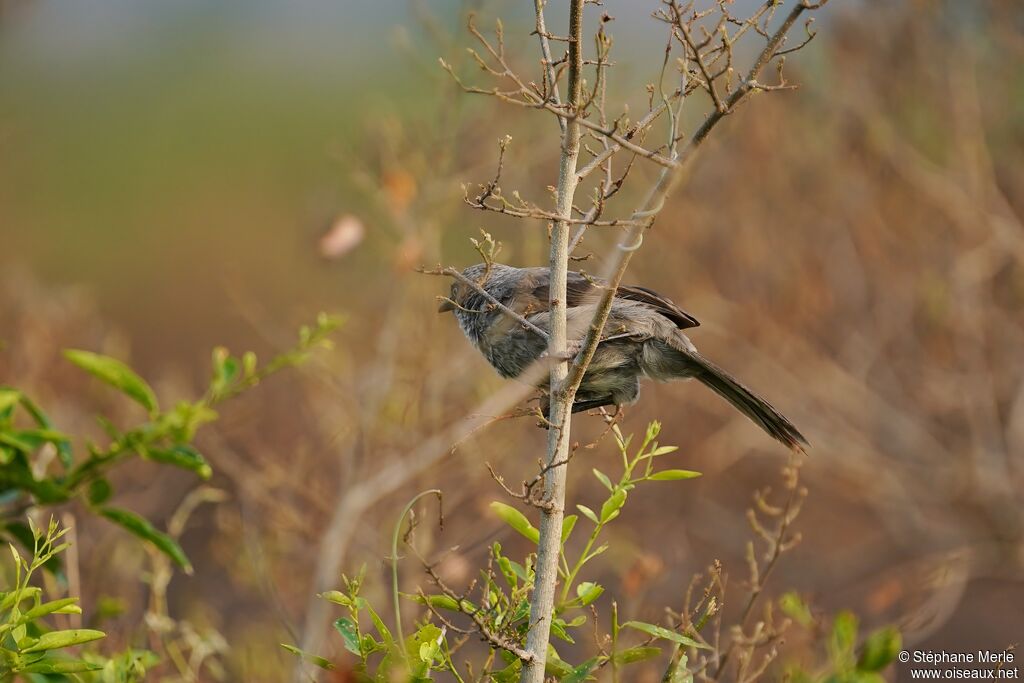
(643, 338)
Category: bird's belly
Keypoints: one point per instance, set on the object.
(506, 367)
(613, 369)
(512, 354)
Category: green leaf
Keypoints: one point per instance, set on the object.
(8, 399)
(56, 606)
(248, 364)
(15, 441)
(20, 634)
(673, 475)
(30, 593)
(603, 478)
(64, 445)
(143, 529)
(440, 602)
(55, 640)
(588, 591)
(116, 374)
(844, 631)
(794, 607)
(665, 634)
(38, 437)
(612, 506)
(319, 661)
(17, 475)
(525, 575)
(679, 672)
(510, 674)
(350, 634)
(582, 672)
(517, 520)
(842, 640)
(60, 666)
(555, 665)
(24, 536)
(337, 597)
(636, 654)
(18, 561)
(568, 524)
(558, 629)
(378, 623)
(664, 450)
(370, 645)
(880, 649)
(225, 369)
(505, 565)
(428, 651)
(187, 417)
(99, 491)
(424, 646)
(182, 456)
(588, 513)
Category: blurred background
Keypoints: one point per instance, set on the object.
(178, 175)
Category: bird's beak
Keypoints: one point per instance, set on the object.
(446, 305)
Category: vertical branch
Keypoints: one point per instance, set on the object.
(559, 415)
(551, 92)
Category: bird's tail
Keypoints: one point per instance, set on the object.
(747, 402)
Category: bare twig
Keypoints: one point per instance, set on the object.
(778, 541)
(549, 67)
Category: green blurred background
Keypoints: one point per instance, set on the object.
(151, 149)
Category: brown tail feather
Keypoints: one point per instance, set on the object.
(763, 414)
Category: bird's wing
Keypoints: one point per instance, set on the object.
(581, 290)
(661, 304)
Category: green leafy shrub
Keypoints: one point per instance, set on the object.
(498, 611)
(845, 661)
(31, 649)
(26, 645)
(38, 467)
(692, 644)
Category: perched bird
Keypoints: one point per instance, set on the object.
(642, 338)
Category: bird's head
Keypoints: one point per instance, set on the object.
(461, 295)
(472, 309)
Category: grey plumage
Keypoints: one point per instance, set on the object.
(642, 338)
